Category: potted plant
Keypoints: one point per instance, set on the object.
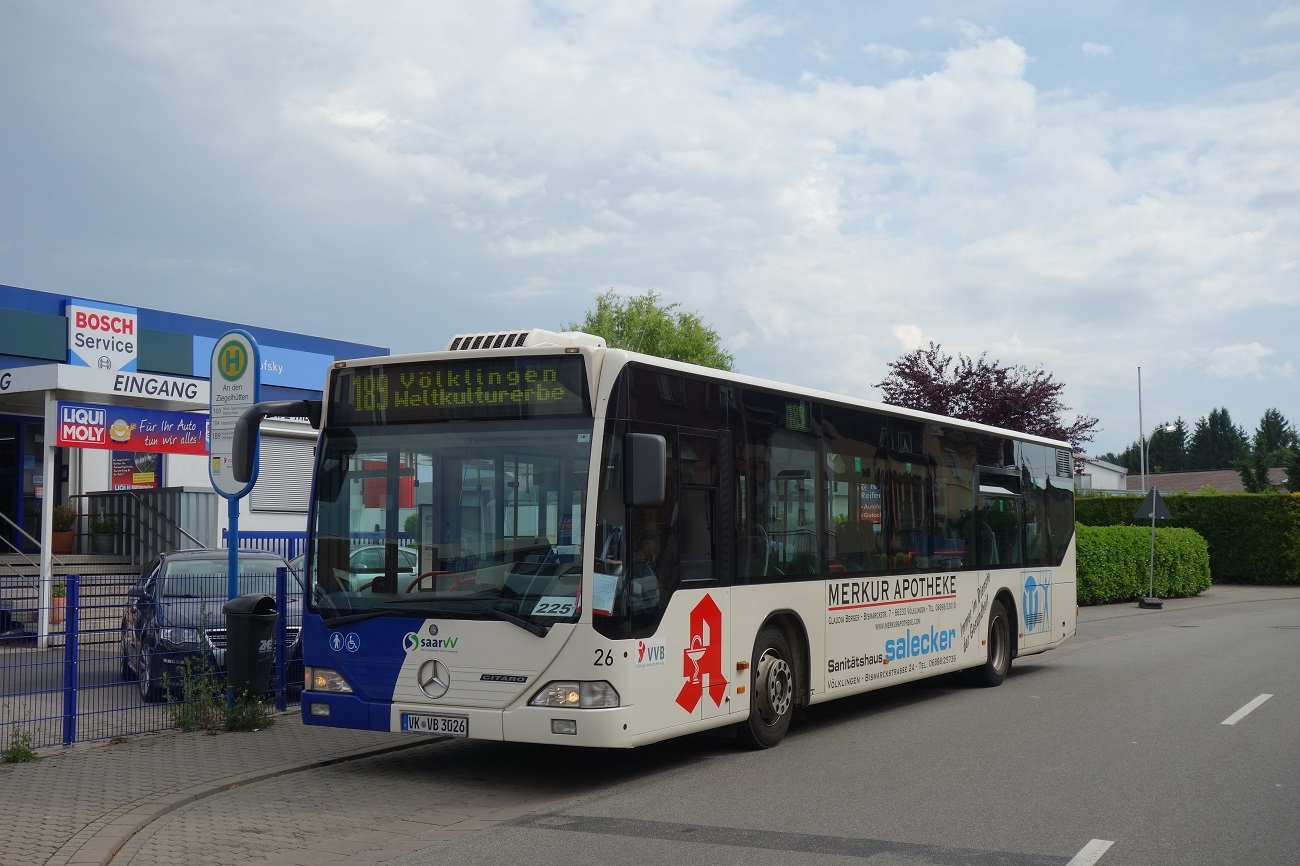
(102, 529)
(58, 602)
(65, 526)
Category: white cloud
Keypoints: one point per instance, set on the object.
(1245, 360)
(1096, 49)
(891, 54)
(1276, 54)
(1287, 15)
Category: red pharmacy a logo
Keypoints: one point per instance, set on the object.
(702, 658)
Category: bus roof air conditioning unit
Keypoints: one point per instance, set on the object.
(522, 338)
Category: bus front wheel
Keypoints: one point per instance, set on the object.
(995, 669)
(773, 689)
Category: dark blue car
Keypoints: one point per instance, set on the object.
(174, 615)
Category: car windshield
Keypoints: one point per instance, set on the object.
(464, 520)
(206, 578)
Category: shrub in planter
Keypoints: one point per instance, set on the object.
(65, 518)
(65, 524)
(102, 529)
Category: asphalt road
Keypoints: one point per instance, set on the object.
(1119, 737)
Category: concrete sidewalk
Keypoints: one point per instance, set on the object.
(137, 802)
(82, 805)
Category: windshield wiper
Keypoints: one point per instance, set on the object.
(345, 619)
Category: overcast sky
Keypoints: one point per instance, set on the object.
(1088, 187)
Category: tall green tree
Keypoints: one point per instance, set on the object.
(1129, 458)
(644, 323)
(1167, 452)
(1291, 461)
(1254, 470)
(1275, 432)
(1216, 442)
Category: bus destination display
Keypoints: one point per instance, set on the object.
(552, 386)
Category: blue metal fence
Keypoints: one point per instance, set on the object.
(291, 544)
(85, 682)
(287, 544)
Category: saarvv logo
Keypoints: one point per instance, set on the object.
(412, 642)
(702, 658)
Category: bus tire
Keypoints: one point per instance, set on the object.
(773, 685)
(995, 669)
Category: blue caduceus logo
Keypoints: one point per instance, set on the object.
(1034, 604)
(411, 642)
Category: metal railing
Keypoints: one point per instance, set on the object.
(36, 566)
(87, 684)
(149, 522)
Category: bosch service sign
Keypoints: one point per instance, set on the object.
(103, 336)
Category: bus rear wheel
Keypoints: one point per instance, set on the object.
(773, 687)
(995, 669)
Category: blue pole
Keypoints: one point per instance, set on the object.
(232, 574)
(232, 549)
(71, 626)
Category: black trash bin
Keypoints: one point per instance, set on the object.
(250, 643)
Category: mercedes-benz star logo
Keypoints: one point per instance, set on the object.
(434, 679)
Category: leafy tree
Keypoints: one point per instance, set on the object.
(976, 389)
(643, 323)
(1216, 442)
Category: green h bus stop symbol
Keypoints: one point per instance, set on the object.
(232, 360)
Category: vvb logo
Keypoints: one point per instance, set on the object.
(702, 658)
(1034, 602)
(650, 655)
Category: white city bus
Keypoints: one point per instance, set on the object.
(615, 549)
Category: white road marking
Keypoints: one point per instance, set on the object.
(1246, 710)
(1090, 853)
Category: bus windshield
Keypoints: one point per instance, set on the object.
(458, 520)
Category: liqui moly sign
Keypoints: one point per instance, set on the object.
(82, 426)
(104, 336)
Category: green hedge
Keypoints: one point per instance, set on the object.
(1253, 537)
(1115, 563)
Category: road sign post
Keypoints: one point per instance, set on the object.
(236, 385)
(1153, 507)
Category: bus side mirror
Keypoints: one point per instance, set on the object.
(645, 466)
(243, 454)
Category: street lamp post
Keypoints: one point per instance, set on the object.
(1144, 461)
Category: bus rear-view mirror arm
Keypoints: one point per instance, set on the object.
(244, 448)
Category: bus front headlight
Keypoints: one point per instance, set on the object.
(325, 680)
(576, 695)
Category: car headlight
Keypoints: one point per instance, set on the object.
(576, 695)
(179, 637)
(325, 680)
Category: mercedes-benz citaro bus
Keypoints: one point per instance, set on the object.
(615, 549)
